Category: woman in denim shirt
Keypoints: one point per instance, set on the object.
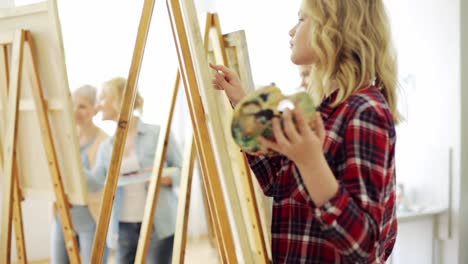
(83, 217)
(137, 164)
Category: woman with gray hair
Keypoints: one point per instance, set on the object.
(83, 217)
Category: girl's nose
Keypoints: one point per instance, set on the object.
(292, 31)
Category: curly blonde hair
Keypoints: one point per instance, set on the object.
(352, 43)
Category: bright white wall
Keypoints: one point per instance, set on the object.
(7, 3)
(427, 34)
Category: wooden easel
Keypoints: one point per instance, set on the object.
(17, 196)
(214, 41)
(205, 148)
(242, 176)
(23, 54)
(211, 180)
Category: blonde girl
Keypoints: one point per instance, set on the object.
(137, 163)
(334, 186)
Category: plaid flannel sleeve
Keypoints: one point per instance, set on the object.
(353, 218)
(265, 170)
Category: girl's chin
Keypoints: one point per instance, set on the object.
(301, 60)
(295, 60)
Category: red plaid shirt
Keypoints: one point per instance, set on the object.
(358, 225)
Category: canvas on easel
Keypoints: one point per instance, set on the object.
(206, 107)
(234, 54)
(41, 150)
(236, 57)
(42, 21)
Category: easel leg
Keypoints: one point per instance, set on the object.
(17, 211)
(49, 145)
(214, 228)
(209, 219)
(254, 215)
(180, 238)
(213, 212)
(121, 133)
(10, 145)
(17, 198)
(18, 219)
(155, 183)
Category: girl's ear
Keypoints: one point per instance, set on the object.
(117, 105)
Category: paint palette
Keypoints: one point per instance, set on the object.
(253, 116)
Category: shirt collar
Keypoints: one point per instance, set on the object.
(325, 108)
(141, 127)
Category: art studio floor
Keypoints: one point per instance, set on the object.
(198, 251)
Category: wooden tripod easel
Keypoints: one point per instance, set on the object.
(211, 180)
(17, 196)
(213, 40)
(192, 59)
(23, 55)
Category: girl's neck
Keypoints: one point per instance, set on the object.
(130, 144)
(87, 132)
(132, 129)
